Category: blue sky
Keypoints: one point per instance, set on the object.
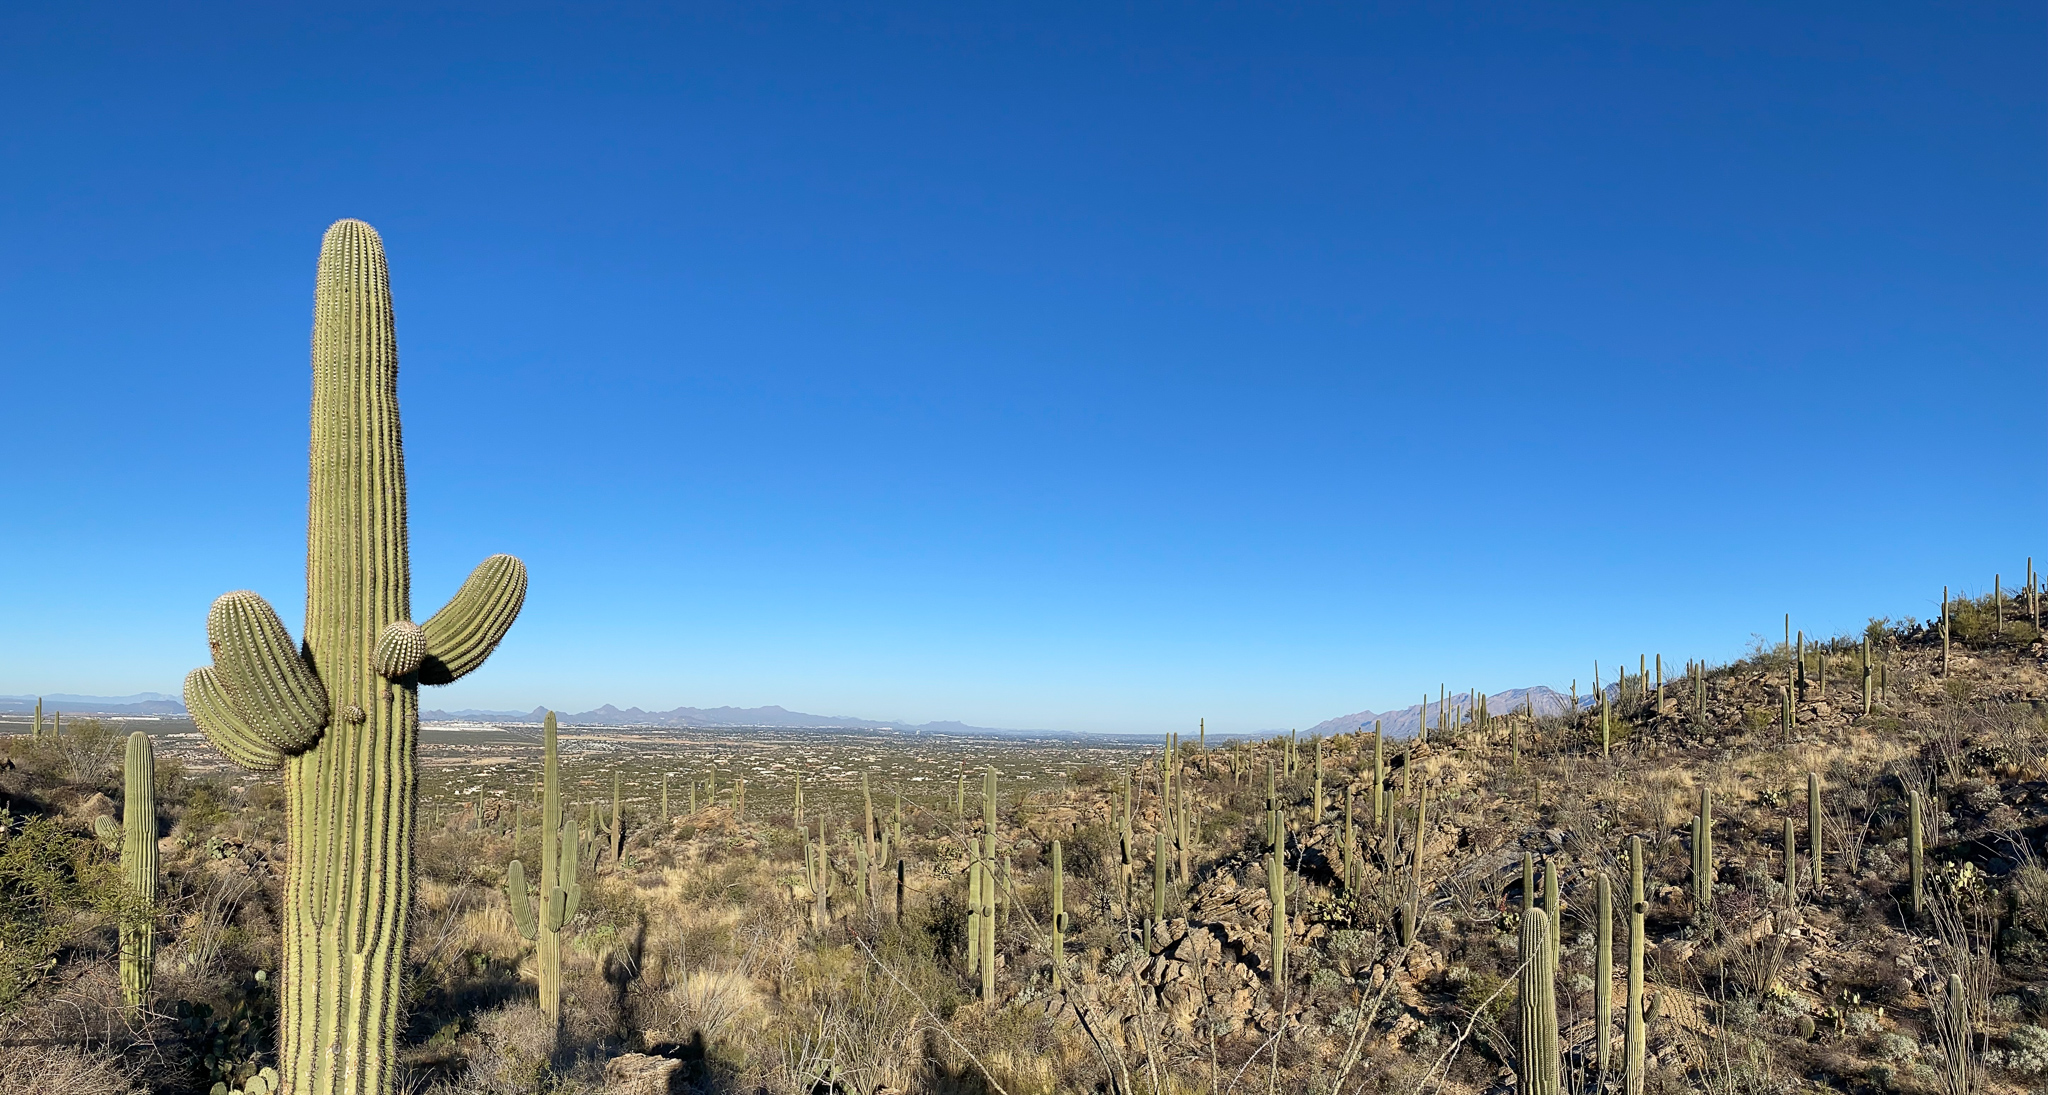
(1043, 365)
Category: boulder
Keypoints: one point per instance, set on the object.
(640, 1074)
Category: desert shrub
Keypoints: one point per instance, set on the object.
(88, 749)
(65, 1070)
(55, 888)
(511, 1053)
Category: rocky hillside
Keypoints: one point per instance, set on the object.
(701, 958)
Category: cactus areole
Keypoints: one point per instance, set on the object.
(339, 711)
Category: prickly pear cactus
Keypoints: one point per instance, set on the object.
(338, 712)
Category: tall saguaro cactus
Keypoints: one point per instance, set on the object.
(138, 867)
(1634, 1040)
(339, 712)
(1539, 1065)
(540, 920)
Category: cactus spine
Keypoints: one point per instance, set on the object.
(266, 702)
(1919, 866)
(138, 867)
(542, 921)
(1634, 1045)
(1539, 1067)
(1603, 982)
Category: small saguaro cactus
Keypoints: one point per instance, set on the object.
(1791, 866)
(339, 711)
(1156, 931)
(1539, 1066)
(138, 869)
(1379, 774)
(1867, 675)
(1318, 802)
(664, 796)
(1059, 914)
(1634, 1042)
(1703, 853)
(1918, 854)
(1276, 893)
(1553, 906)
(1944, 631)
(618, 828)
(540, 918)
(1603, 980)
(37, 732)
(1813, 837)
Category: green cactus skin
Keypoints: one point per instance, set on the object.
(1919, 866)
(1603, 981)
(138, 868)
(1059, 914)
(1813, 837)
(37, 732)
(350, 780)
(1538, 1065)
(1528, 882)
(540, 918)
(1634, 1042)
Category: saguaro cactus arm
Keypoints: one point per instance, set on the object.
(468, 627)
(264, 674)
(215, 715)
(522, 905)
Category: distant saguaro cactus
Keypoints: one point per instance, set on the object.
(340, 712)
(1156, 930)
(540, 918)
(1539, 1066)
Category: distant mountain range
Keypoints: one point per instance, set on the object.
(141, 703)
(1398, 723)
(609, 715)
(1403, 723)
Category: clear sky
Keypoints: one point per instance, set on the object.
(1078, 366)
